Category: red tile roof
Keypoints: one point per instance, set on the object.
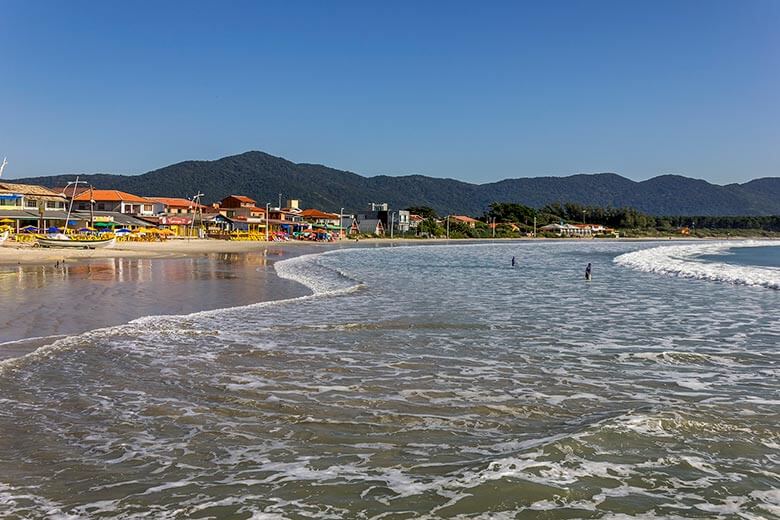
(241, 198)
(111, 196)
(315, 213)
(175, 202)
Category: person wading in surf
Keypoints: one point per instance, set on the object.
(587, 272)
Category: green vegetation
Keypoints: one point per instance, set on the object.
(263, 176)
(631, 222)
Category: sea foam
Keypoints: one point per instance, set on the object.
(683, 261)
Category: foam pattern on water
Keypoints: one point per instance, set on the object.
(449, 386)
(682, 261)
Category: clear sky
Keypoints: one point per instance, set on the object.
(477, 91)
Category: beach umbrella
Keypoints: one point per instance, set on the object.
(123, 231)
(7, 221)
(53, 230)
(29, 229)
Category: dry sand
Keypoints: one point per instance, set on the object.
(13, 254)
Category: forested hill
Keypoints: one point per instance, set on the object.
(263, 176)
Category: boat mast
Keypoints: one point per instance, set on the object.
(73, 196)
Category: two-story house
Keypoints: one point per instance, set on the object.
(113, 201)
(30, 205)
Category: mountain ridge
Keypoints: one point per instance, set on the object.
(263, 176)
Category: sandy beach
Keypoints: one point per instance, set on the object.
(13, 254)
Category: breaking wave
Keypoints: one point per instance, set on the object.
(684, 261)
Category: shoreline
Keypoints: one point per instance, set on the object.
(11, 255)
(48, 279)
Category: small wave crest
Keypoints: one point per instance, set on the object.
(682, 261)
(308, 271)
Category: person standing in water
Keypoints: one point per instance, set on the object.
(513, 261)
(587, 272)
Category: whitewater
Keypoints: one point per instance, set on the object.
(414, 382)
(684, 261)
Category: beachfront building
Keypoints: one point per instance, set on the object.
(31, 206)
(175, 206)
(379, 219)
(315, 216)
(562, 230)
(576, 230)
(402, 221)
(243, 213)
(329, 222)
(470, 222)
(108, 220)
(114, 201)
(415, 221)
(373, 221)
(183, 217)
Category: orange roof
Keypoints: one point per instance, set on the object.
(315, 213)
(241, 198)
(463, 218)
(175, 202)
(111, 196)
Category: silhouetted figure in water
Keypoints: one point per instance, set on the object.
(513, 261)
(587, 272)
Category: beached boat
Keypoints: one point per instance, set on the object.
(71, 242)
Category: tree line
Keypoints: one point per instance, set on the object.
(511, 218)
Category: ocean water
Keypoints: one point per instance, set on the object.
(419, 382)
(766, 256)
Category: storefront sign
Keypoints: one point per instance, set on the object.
(175, 221)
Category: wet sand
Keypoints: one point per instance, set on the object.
(41, 301)
(49, 293)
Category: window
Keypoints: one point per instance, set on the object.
(10, 201)
(29, 203)
(50, 204)
(100, 206)
(147, 207)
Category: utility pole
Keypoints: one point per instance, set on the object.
(494, 227)
(392, 224)
(448, 227)
(534, 226)
(280, 201)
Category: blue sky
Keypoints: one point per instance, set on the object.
(477, 91)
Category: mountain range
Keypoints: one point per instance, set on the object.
(263, 176)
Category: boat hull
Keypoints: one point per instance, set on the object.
(76, 244)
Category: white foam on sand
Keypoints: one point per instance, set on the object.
(683, 261)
